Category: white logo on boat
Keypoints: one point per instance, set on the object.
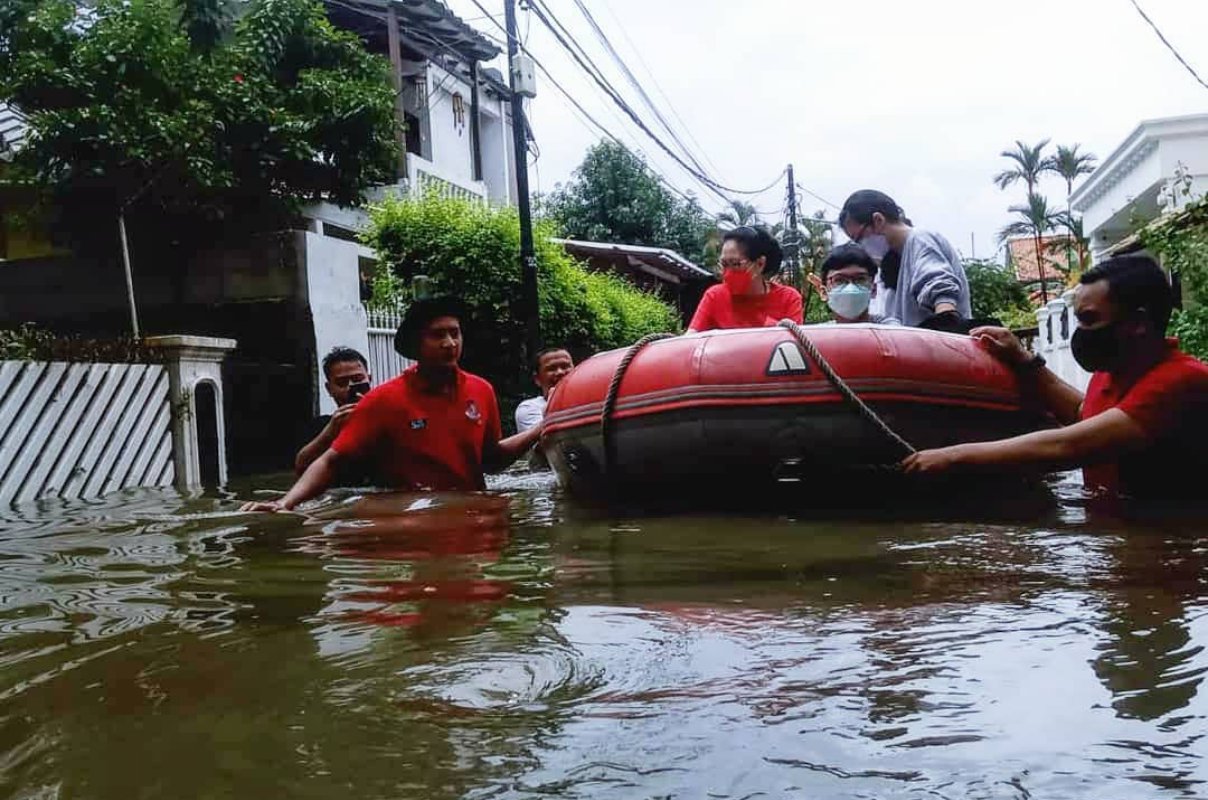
(787, 359)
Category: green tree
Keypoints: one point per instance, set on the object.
(1070, 165)
(994, 290)
(1028, 164)
(614, 196)
(1033, 219)
(176, 113)
(737, 214)
(469, 249)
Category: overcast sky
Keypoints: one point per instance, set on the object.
(915, 98)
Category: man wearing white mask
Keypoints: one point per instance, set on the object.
(925, 281)
(847, 284)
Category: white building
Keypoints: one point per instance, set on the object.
(1160, 167)
(458, 128)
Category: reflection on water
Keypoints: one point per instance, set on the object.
(512, 645)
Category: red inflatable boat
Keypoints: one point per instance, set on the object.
(722, 407)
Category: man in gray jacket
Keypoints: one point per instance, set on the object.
(922, 272)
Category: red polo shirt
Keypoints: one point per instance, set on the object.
(1169, 402)
(417, 440)
(720, 309)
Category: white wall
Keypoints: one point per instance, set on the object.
(333, 291)
(496, 140)
(451, 148)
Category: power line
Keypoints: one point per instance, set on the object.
(1166, 42)
(637, 51)
(703, 180)
(586, 119)
(818, 197)
(635, 83)
(541, 13)
(586, 63)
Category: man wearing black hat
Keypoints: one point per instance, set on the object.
(435, 427)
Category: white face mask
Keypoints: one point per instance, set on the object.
(876, 245)
(850, 301)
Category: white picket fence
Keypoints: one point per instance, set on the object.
(1056, 323)
(82, 430)
(384, 362)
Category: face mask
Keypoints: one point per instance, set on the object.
(876, 245)
(850, 301)
(738, 281)
(1096, 349)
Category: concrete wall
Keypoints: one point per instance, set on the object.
(256, 293)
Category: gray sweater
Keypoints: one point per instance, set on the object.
(931, 274)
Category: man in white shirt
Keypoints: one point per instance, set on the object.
(550, 366)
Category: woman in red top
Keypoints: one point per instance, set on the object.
(746, 298)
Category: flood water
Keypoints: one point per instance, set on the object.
(517, 645)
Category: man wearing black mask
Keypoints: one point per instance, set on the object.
(1141, 428)
(922, 272)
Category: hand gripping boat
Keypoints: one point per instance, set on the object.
(742, 406)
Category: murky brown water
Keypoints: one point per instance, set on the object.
(517, 646)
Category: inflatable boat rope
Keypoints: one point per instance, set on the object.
(610, 399)
(800, 335)
(614, 388)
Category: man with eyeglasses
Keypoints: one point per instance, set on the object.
(847, 284)
(747, 298)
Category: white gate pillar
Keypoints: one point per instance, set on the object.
(191, 362)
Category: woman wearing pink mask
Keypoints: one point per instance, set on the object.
(746, 298)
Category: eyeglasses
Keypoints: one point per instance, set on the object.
(839, 281)
(732, 264)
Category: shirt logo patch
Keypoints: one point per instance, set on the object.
(472, 412)
(419, 424)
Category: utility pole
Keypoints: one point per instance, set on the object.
(528, 261)
(792, 248)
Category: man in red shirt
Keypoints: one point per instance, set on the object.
(435, 427)
(746, 298)
(1141, 429)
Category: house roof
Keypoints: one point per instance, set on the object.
(1022, 254)
(655, 259)
(429, 24)
(1131, 152)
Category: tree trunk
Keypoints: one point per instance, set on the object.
(1069, 227)
(1044, 286)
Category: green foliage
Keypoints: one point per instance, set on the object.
(1182, 244)
(179, 109)
(1028, 164)
(471, 250)
(1191, 327)
(995, 292)
(30, 343)
(615, 197)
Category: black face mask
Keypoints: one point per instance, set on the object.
(1096, 349)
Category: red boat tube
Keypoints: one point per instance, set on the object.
(724, 406)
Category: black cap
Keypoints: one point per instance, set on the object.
(419, 315)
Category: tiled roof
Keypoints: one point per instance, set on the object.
(1023, 258)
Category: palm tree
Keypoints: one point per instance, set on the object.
(738, 214)
(1070, 164)
(1075, 243)
(1030, 163)
(1033, 219)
